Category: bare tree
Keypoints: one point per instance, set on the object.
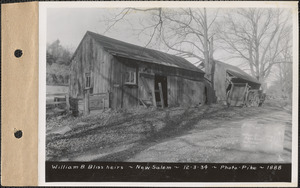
(255, 35)
(187, 32)
(284, 76)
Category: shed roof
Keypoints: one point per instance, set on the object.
(131, 51)
(237, 72)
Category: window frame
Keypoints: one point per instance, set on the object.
(132, 74)
(88, 77)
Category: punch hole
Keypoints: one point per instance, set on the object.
(18, 53)
(18, 133)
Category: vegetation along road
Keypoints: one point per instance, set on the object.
(204, 134)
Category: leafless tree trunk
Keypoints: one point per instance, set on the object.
(285, 73)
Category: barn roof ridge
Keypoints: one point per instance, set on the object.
(238, 72)
(132, 51)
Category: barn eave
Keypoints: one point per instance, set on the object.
(148, 60)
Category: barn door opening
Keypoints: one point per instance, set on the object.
(164, 86)
(206, 95)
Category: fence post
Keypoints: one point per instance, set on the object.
(86, 101)
(106, 101)
(67, 102)
(109, 99)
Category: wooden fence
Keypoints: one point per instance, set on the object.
(99, 101)
(60, 100)
(95, 101)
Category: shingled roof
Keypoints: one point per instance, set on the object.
(131, 51)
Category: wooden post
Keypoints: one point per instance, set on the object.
(108, 99)
(153, 98)
(245, 95)
(86, 101)
(161, 96)
(67, 102)
(103, 102)
(143, 103)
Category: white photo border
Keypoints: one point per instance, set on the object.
(43, 6)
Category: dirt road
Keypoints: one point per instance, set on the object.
(200, 134)
(218, 142)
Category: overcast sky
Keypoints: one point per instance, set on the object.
(70, 24)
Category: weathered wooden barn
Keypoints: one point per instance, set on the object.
(225, 75)
(130, 75)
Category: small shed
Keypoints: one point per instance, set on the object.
(226, 74)
(127, 75)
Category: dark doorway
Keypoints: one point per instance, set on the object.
(164, 85)
(228, 88)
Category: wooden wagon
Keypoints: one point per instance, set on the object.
(241, 94)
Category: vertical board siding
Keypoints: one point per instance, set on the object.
(185, 92)
(181, 91)
(101, 69)
(116, 84)
(172, 91)
(107, 75)
(91, 58)
(130, 98)
(127, 95)
(75, 78)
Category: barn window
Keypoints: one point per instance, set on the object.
(87, 80)
(130, 76)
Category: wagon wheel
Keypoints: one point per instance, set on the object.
(256, 101)
(250, 99)
(245, 104)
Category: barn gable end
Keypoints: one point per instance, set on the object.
(90, 58)
(222, 71)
